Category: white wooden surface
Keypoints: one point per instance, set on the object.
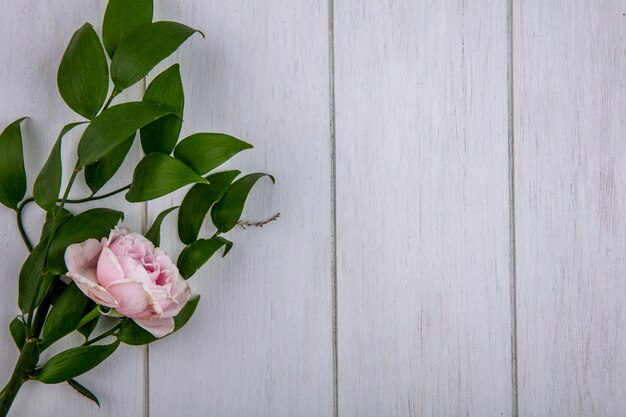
(422, 208)
(570, 135)
(390, 286)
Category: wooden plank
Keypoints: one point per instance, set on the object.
(422, 208)
(260, 343)
(34, 36)
(570, 158)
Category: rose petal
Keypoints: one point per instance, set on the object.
(133, 269)
(88, 285)
(177, 304)
(80, 256)
(134, 301)
(109, 269)
(158, 327)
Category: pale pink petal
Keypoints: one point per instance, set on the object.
(133, 269)
(109, 269)
(88, 285)
(158, 327)
(83, 255)
(133, 299)
(176, 304)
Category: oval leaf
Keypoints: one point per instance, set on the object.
(114, 126)
(158, 174)
(226, 213)
(121, 18)
(89, 319)
(167, 89)
(18, 332)
(48, 182)
(31, 278)
(95, 223)
(200, 251)
(131, 334)
(12, 174)
(61, 215)
(64, 316)
(198, 201)
(142, 50)
(154, 234)
(83, 77)
(74, 362)
(101, 171)
(206, 151)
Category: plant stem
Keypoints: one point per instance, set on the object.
(97, 197)
(20, 224)
(111, 97)
(102, 336)
(29, 328)
(24, 367)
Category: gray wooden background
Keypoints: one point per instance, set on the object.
(452, 181)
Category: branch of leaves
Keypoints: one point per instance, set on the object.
(71, 311)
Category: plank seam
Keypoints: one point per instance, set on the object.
(333, 201)
(146, 352)
(512, 236)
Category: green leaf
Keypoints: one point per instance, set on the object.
(158, 174)
(48, 182)
(89, 319)
(200, 251)
(62, 217)
(18, 332)
(226, 213)
(32, 278)
(95, 223)
(114, 126)
(167, 89)
(123, 17)
(12, 174)
(74, 362)
(142, 50)
(132, 334)
(64, 316)
(101, 171)
(198, 201)
(83, 77)
(204, 152)
(83, 391)
(154, 234)
(186, 312)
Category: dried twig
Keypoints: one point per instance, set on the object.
(247, 223)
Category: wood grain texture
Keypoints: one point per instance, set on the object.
(34, 35)
(570, 157)
(260, 343)
(422, 208)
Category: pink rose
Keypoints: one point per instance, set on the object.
(126, 272)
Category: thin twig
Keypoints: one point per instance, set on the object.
(20, 224)
(247, 223)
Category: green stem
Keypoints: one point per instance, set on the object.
(42, 312)
(20, 223)
(97, 197)
(111, 97)
(29, 323)
(103, 335)
(25, 366)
